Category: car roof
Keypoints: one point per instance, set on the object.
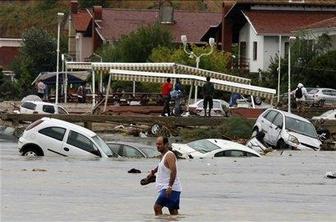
(231, 145)
(287, 114)
(42, 103)
(138, 145)
(77, 128)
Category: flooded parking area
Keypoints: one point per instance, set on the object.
(279, 187)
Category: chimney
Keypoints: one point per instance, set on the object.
(74, 6)
(98, 13)
(166, 15)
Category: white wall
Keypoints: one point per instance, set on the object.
(244, 36)
(255, 65)
(84, 47)
(9, 42)
(271, 48)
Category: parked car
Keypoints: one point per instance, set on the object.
(329, 115)
(39, 107)
(220, 108)
(133, 150)
(286, 130)
(322, 95)
(210, 148)
(53, 137)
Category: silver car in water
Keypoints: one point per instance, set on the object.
(286, 130)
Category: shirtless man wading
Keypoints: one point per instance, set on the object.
(167, 182)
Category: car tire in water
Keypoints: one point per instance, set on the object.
(281, 145)
(32, 151)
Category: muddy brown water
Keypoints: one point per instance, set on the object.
(287, 187)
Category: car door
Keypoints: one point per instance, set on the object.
(78, 144)
(51, 140)
(266, 123)
(275, 129)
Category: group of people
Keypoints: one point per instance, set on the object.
(42, 91)
(176, 94)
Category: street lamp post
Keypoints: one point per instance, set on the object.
(65, 73)
(291, 38)
(59, 20)
(198, 59)
(101, 74)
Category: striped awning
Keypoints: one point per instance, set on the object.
(188, 79)
(102, 67)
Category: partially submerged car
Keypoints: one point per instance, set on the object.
(210, 148)
(329, 115)
(220, 108)
(39, 107)
(133, 150)
(286, 130)
(53, 137)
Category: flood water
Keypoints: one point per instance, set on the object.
(287, 187)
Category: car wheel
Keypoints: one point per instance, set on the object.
(257, 100)
(254, 132)
(30, 153)
(281, 145)
(155, 129)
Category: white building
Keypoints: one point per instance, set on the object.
(261, 28)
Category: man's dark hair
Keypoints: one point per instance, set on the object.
(168, 79)
(165, 140)
(208, 78)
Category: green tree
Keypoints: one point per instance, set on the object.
(216, 61)
(312, 63)
(138, 45)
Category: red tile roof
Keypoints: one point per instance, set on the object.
(284, 22)
(81, 20)
(7, 55)
(116, 23)
(327, 23)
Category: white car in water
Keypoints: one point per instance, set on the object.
(286, 130)
(39, 107)
(53, 137)
(210, 148)
(329, 115)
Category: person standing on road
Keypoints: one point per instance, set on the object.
(40, 89)
(300, 94)
(167, 182)
(208, 93)
(165, 92)
(179, 89)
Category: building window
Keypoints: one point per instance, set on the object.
(255, 50)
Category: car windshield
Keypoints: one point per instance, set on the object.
(203, 146)
(327, 113)
(313, 91)
(300, 127)
(103, 146)
(150, 152)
